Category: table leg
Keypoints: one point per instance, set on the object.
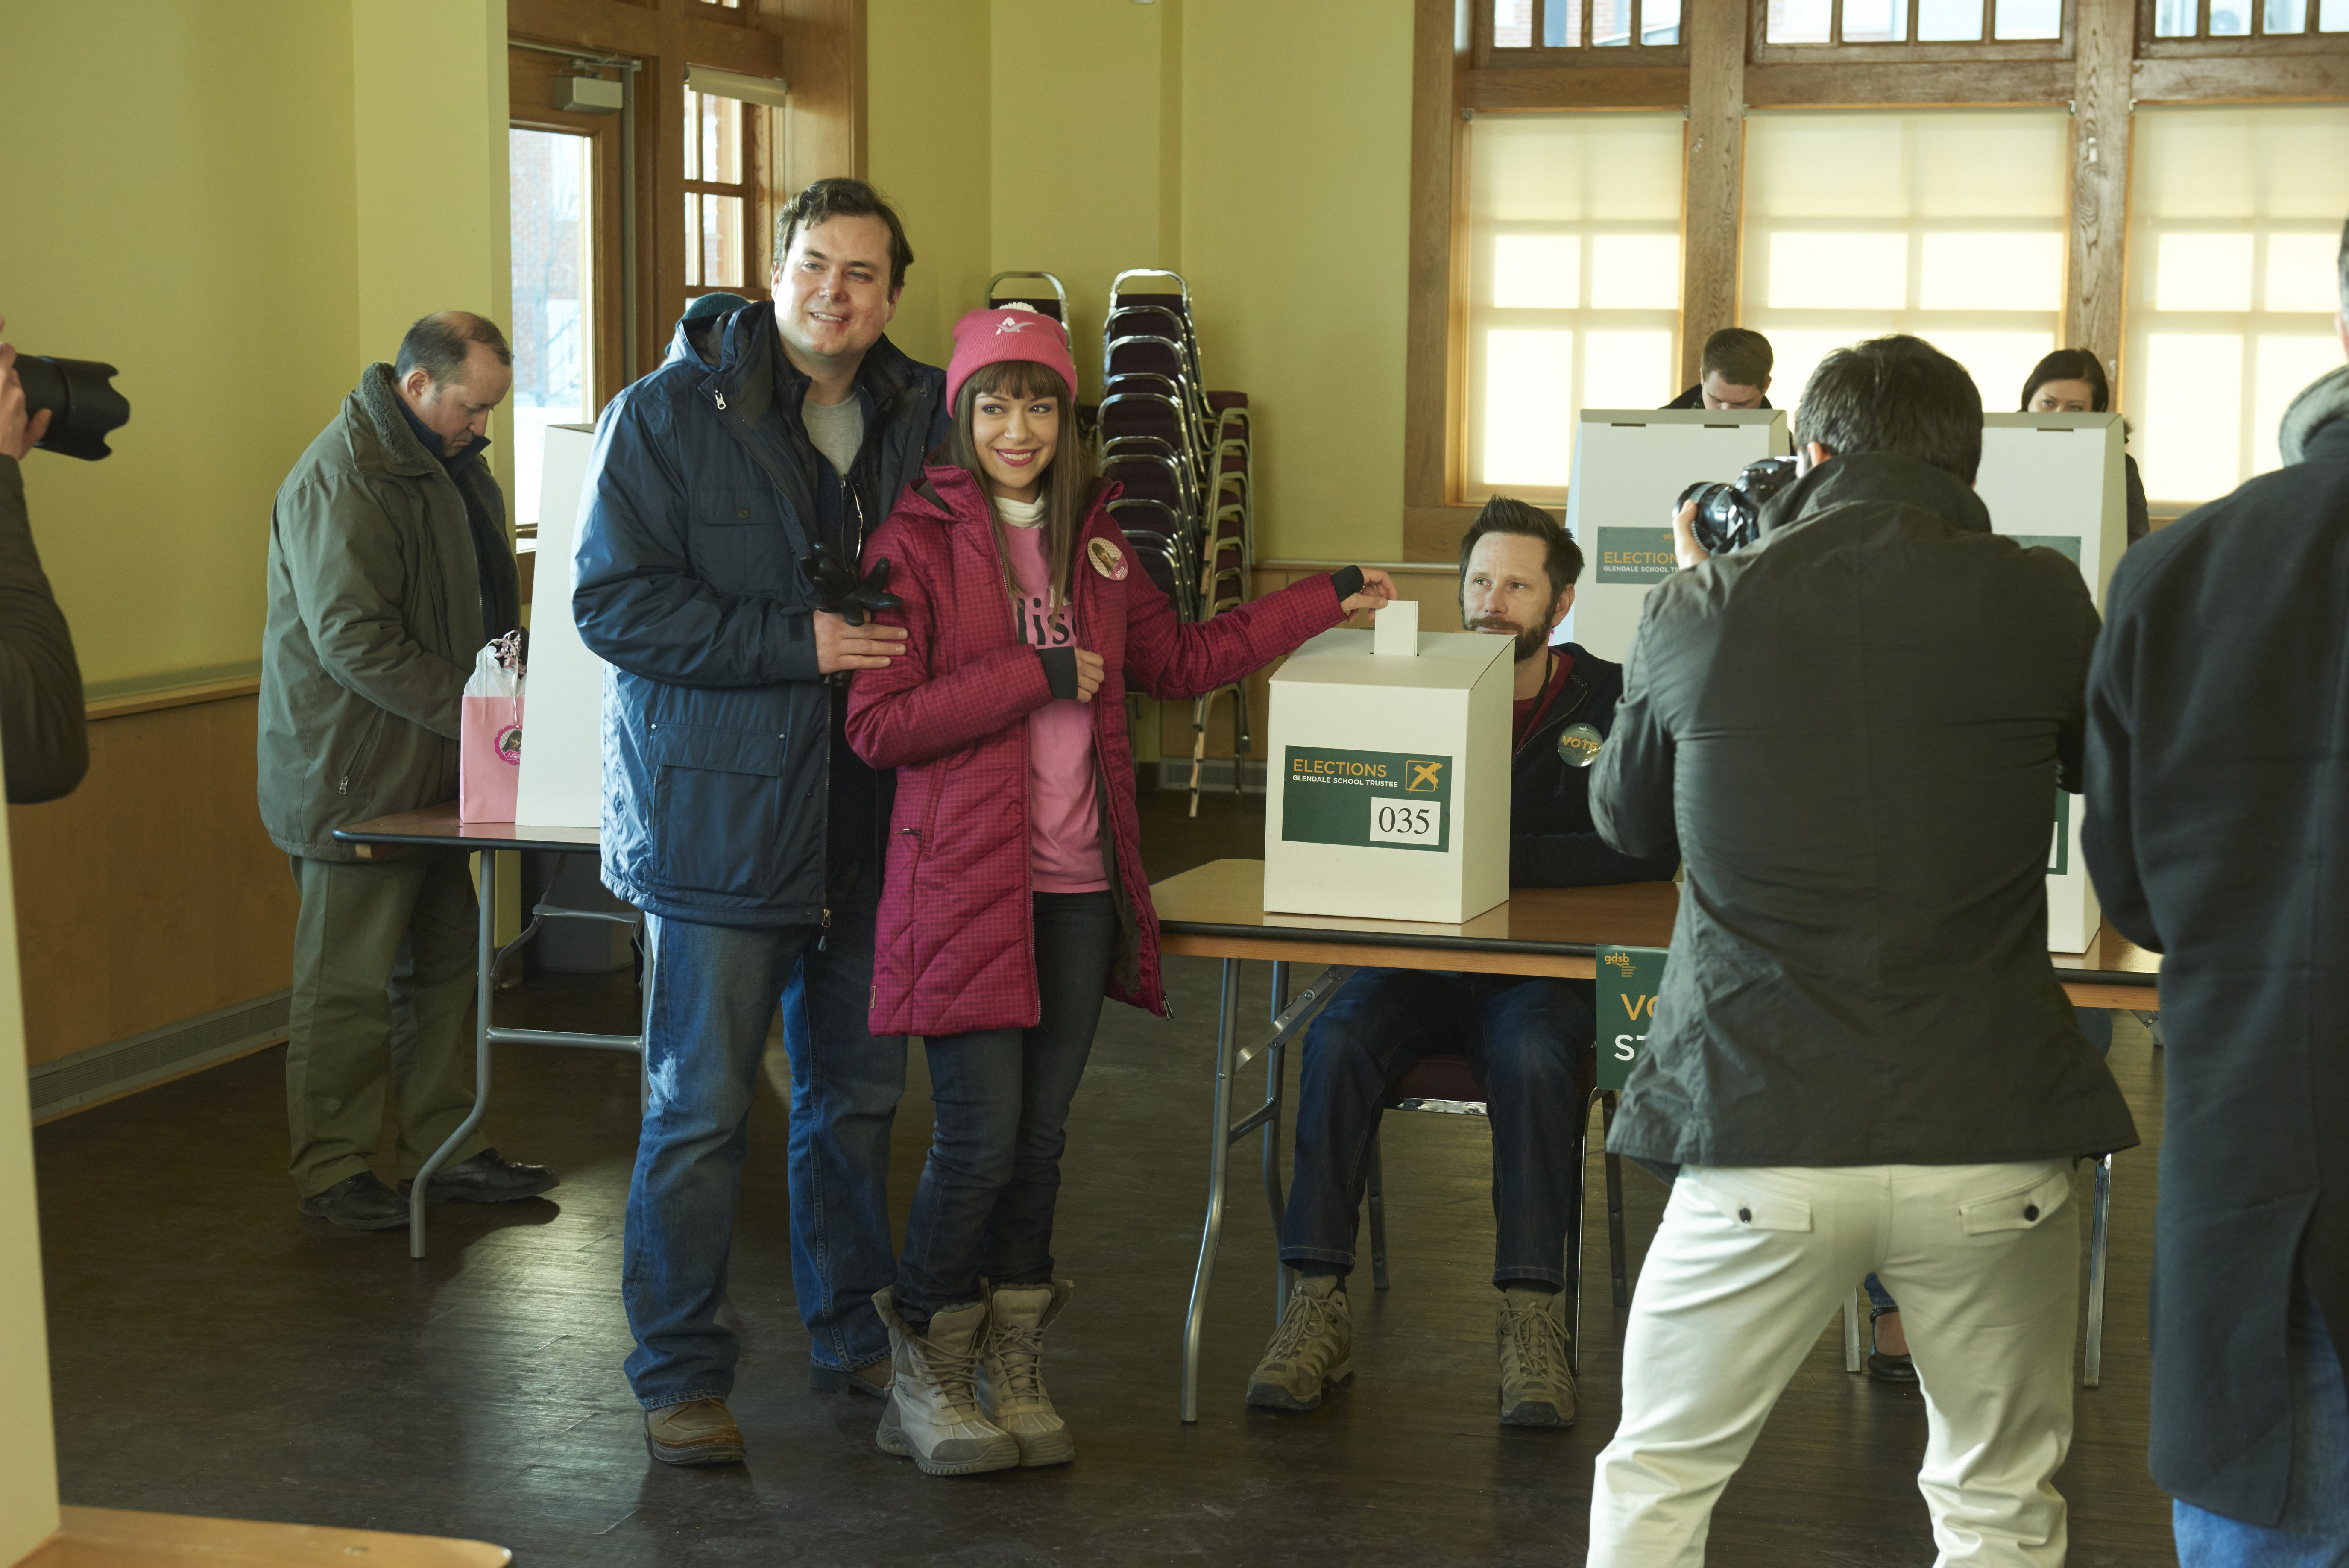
(1272, 1098)
(484, 974)
(1219, 1154)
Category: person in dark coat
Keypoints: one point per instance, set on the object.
(2071, 381)
(1861, 1059)
(735, 814)
(44, 741)
(1735, 372)
(1529, 1038)
(2217, 834)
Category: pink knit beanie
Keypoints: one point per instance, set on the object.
(1014, 332)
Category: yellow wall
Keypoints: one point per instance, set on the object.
(927, 149)
(1262, 150)
(240, 246)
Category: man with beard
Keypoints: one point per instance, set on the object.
(1529, 1040)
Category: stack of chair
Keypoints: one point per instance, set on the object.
(1180, 454)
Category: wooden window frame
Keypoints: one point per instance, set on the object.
(2109, 64)
(1761, 51)
(751, 158)
(2258, 41)
(528, 108)
(1586, 54)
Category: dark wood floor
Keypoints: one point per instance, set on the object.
(214, 1354)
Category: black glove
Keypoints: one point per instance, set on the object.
(838, 591)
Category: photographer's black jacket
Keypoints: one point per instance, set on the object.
(1855, 728)
(42, 740)
(1553, 843)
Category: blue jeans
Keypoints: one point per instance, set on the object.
(715, 990)
(1529, 1043)
(2314, 1530)
(992, 1182)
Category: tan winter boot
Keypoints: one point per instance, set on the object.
(1011, 1374)
(1311, 1350)
(1536, 1385)
(933, 1416)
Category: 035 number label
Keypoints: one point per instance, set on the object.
(1406, 824)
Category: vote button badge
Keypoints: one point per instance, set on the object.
(1579, 744)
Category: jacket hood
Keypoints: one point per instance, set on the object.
(2325, 400)
(384, 441)
(1884, 477)
(745, 368)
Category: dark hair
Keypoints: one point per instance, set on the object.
(1067, 488)
(1742, 356)
(1507, 514)
(822, 200)
(1896, 394)
(439, 344)
(2069, 365)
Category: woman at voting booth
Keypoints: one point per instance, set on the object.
(1015, 898)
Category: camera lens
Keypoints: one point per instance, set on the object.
(82, 402)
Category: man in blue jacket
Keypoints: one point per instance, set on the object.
(735, 814)
(1529, 1040)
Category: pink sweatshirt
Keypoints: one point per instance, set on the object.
(1064, 850)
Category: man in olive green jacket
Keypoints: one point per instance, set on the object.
(388, 569)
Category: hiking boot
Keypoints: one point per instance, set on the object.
(1536, 1386)
(933, 1416)
(697, 1432)
(1311, 1350)
(1011, 1374)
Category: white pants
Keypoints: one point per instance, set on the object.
(1748, 1267)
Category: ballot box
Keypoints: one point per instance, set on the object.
(1390, 773)
(562, 783)
(1630, 468)
(2055, 480)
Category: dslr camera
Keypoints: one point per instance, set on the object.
(1729, 517)
(83, 405)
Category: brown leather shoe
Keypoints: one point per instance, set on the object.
(697, 1432)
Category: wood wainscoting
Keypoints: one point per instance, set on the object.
(151, 896)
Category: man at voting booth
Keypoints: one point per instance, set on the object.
(1735, 372)
(389, 569)
(1860, 1059)
(735, 814)
(1529, 1040)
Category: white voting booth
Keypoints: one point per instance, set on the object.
(1389, 752)
(1630, 468)
(562, 783)
(2055, 480)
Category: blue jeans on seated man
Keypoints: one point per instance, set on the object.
(2314, 1530)
(992, 1182)
(715, 991)
(1529, 1043)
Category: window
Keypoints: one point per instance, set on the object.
(2246, 18)
(551, 180)
(2234, 233)
(717, 195)
(1629, 24)
(1949, 225)
(1573, 284)
(1919, 21)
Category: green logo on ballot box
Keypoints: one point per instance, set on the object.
(1635, 555)
(1366, 800)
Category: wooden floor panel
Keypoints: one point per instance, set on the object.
(214, 1354)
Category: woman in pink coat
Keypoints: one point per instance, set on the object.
(1015, 898)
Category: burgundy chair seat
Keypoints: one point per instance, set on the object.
(1439, 1079)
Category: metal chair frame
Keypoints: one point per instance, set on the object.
(1060, 294)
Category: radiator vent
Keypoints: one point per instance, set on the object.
(118, 1066)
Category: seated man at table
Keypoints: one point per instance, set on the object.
(1527, 1039)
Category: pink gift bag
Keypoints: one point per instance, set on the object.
(489, 737)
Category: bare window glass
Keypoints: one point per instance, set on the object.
(1875, 21)
(1949, 21)
(2030, 19)
(550, 180)
(1660, 22)
(1799, 21)
(1513, 24)
(1562, 23)
(2285, 16)
(2230, 18)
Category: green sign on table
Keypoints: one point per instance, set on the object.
(2065, 545)
(1366, 800)
(1629, 978)
(1635, 555)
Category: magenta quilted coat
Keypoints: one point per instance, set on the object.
(954, 947)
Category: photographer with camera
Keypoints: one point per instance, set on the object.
(1861, 1059)
(44, 744)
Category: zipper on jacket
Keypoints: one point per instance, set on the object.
(721, 400)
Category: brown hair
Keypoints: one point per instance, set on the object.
(1561, 559)
(1742, 356)
(2069, 365)
(841, 197)
(1066, 490)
